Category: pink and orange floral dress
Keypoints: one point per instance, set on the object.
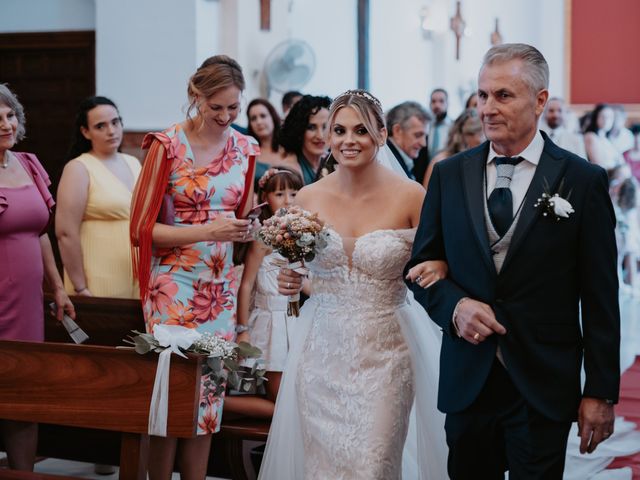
(196, 285)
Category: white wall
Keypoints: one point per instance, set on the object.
(147, 49)
(145, 53)
(329, 27)
(407, 66)
(46, 15)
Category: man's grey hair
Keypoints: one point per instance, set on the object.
(9, 99)
(402, 113)
(536, 67)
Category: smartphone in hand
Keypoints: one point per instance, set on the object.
(255, 212)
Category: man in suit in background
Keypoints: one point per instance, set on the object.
(407, 124)
(555, 118)
(439, 131)
(521, 268)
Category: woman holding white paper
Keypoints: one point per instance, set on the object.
(26, 258)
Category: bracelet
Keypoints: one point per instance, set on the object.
(241, 328)
(455, 315)
(78, 290)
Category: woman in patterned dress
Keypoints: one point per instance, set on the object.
(186, 213)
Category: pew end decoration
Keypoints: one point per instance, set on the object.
(223, 359)
(298, 236)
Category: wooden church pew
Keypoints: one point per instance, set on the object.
(108, 321)
(99, 388)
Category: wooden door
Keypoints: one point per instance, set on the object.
(51, 72)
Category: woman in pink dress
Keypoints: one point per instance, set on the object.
(201, 171)
(26, 258)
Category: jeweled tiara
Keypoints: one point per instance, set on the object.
(362, 94)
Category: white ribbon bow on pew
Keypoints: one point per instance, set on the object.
(174, 337)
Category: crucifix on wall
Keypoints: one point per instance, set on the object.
(265, 14)
(457, 25)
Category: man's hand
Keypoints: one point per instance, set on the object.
(475, 321)
(595, 423)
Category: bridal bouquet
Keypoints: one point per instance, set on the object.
(223, 360)
(298, 236)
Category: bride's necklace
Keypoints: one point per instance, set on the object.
(5, 160)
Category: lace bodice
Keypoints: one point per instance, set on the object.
(374, 270)
(355, 384)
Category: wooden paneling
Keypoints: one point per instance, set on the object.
(93, 387)
(51, 72)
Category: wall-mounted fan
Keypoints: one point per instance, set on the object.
(289, 66)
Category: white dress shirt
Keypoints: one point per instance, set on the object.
(523, 172)
(408, 161)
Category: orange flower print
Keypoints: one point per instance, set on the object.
(232, 278)
(192, 179)
(242, 144)
(232, 197)
(184, 258)
(180, 315)
(174, 147)
(193, 208)
(216, 262)
(208, 301)
(151, 322)
(201, 301)
(223, 163)
(208, 421)
(221, 299)
(162, 292)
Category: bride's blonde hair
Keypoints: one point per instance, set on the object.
(368, 107)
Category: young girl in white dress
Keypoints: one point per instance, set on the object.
(262, 316)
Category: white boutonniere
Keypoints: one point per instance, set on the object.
(554, 204)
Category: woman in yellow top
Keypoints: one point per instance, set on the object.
(94, 198)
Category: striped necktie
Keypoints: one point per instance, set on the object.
(500, 202)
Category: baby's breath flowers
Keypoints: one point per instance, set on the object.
(223, 356)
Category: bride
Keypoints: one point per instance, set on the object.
(363, 349)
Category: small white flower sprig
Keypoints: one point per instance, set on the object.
(223, 357)
(553, 204)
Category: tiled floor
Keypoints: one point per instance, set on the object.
(82, 470)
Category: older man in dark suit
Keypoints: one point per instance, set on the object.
(407, 124)
(527, 230)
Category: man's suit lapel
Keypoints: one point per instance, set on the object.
(473, 167)
(548, 174)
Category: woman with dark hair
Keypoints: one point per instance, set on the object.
(303, 134)
(26, 258)
(465, 133)
(94, 199)
(264, 125)
(599, 148)
(472, 101)
(201, 172)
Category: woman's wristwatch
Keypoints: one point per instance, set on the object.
(241, 328)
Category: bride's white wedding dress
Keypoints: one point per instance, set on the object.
(362, 348)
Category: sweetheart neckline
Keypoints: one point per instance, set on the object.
(349, 258)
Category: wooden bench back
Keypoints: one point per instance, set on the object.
(94, 387)
(107, 321)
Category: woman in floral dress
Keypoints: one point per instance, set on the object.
(187, 211)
